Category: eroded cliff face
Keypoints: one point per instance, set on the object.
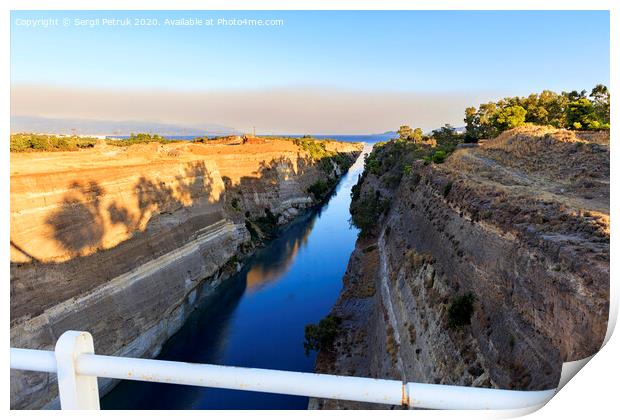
(521, 224)
(123, 242)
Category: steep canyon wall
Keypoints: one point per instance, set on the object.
(520, 225)
(123, 241)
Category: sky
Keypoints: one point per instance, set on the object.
(330, 72)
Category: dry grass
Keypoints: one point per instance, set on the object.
(544, 162)
(417, 260)
(392, 345)
(549, 186)
(529, 139)
(364, 286)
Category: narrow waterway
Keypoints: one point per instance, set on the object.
(257, 318)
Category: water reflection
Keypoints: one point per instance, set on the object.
(257, 318)
(264, 271)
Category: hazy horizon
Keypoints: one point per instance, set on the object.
(288, 111)
(332, 72)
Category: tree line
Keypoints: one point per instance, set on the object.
(570, 110)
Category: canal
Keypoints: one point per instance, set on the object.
(257, 318)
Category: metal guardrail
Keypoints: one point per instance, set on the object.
(77, 367)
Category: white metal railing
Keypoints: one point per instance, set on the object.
(77, 368)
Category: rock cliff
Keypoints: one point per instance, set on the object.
(123, 241)
(488, 270)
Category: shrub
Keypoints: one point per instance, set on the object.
(460, 310)
(250, 228)
(447, 137)
(315, 148)
(356, 190)
(321, 336)
(373, 165)
(145, 138)
(343, 161)
(262, 228)
(397, 157)
(49, 143)
(326, 165)
(140, 138)
(447, 188)
(41, 143)
(439, 156)
(365, 212)
(392, 180)
(321, 188)
(268, 224)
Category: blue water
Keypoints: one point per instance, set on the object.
(257, 318)
(359, 138)
(363, 138)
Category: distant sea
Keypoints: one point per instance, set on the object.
(353, 138)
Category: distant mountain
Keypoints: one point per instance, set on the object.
(394, 134)
(459, 130)
(32, 124)
(387, 133)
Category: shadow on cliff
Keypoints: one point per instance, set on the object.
(163, 217)
(205, 334)
(79, 226)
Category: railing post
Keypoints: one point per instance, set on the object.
(77, 392)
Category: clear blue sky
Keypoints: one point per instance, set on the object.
(429, 51)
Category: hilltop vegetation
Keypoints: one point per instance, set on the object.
(50, 143)
(140, 138)
(28, 142)
(535, 198)
(571, 110)
(390, 161)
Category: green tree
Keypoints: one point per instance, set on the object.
(447, 138)
(480, 123)
(535, 112)
(572, 110)
(510, 117)
(555, 106)
(601, 100)
(574, 95)
(581, 115)
(446, 132)
(366, 211)
(472, 124)
(486, 114)
(407, 133)
(461, 310)
(321, 336)
(404, 132)
(417, 135)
